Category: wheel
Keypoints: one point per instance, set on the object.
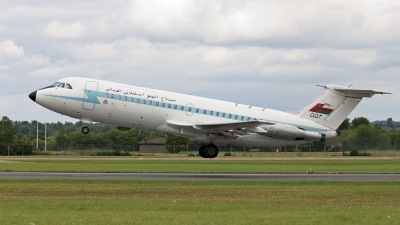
(201, 150)
(85, 130)
(210, 151)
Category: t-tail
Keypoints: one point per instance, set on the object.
(334, 105)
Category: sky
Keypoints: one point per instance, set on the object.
(264, 53)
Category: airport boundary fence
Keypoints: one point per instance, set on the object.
(20, 149)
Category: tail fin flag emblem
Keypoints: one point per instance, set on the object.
(319, 108)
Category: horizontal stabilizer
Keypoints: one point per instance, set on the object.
(359, 93)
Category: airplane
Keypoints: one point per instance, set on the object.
(210, 122)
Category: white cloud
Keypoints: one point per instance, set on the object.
(61, 30)
(9, 50)
(211, 48)
(38, 60)
(54, 71)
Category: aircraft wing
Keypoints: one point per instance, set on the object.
(226, 129)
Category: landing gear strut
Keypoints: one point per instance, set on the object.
(85, 130)
(208, 151)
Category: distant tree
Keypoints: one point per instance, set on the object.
(105, 128)
(24, 130)
(112, 135)
(397, 140)
(61, 137)
(345, 125)
(8, 133)
(123, 128)
(358, 121)
(69, 129)
(176, 144)
(177, 140)
(370, 137)
(127, 137)
(393, 137)
(79, 124)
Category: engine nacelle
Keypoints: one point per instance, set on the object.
(288, 132)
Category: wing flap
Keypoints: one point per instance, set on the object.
(239, 128)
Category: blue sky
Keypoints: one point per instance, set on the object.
(265, 53)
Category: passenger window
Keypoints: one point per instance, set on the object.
(236, 117)
(106, 95)
(125, 98)
(223, 114)
(197, 110)
(242, 117)
(211, 113)
(190, 109)
(119, 97)
(169, 105)
(175, 106)
(150, 102)
(144, 101)
(217, 113)
(182, 107)
(205, 111)
(138, 100)
(112, 96)
(157, 103)
(230, 116)
(163, 104)
(248, 118)
(131, 99)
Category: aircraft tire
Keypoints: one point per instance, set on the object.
(85, 130)
(201, 150)
(210, 151)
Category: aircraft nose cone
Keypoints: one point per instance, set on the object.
(33, 96)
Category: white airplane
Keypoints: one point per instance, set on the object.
(208, 121)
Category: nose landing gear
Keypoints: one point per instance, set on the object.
(85, 130)
(208, 151)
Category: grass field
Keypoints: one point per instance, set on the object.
(197, 165)
(198, 202)
(237, 153)
(35, 202)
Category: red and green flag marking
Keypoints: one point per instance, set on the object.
(319, 108)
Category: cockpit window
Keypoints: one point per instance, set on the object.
(61, 85)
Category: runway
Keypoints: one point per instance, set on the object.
(200, 176)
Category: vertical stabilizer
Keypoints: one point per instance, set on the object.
(334, 105)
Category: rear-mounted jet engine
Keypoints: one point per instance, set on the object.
(288, 132)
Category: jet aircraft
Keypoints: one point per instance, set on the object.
(208, 121)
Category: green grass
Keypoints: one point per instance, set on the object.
(203, 165)
(197, 202)
(238, 153)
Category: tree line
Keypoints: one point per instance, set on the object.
(23, 135)
(361, 134)
(356, 134)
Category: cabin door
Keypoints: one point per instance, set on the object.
(90, 95)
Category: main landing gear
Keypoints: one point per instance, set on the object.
(85, 130)
(208, 151)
